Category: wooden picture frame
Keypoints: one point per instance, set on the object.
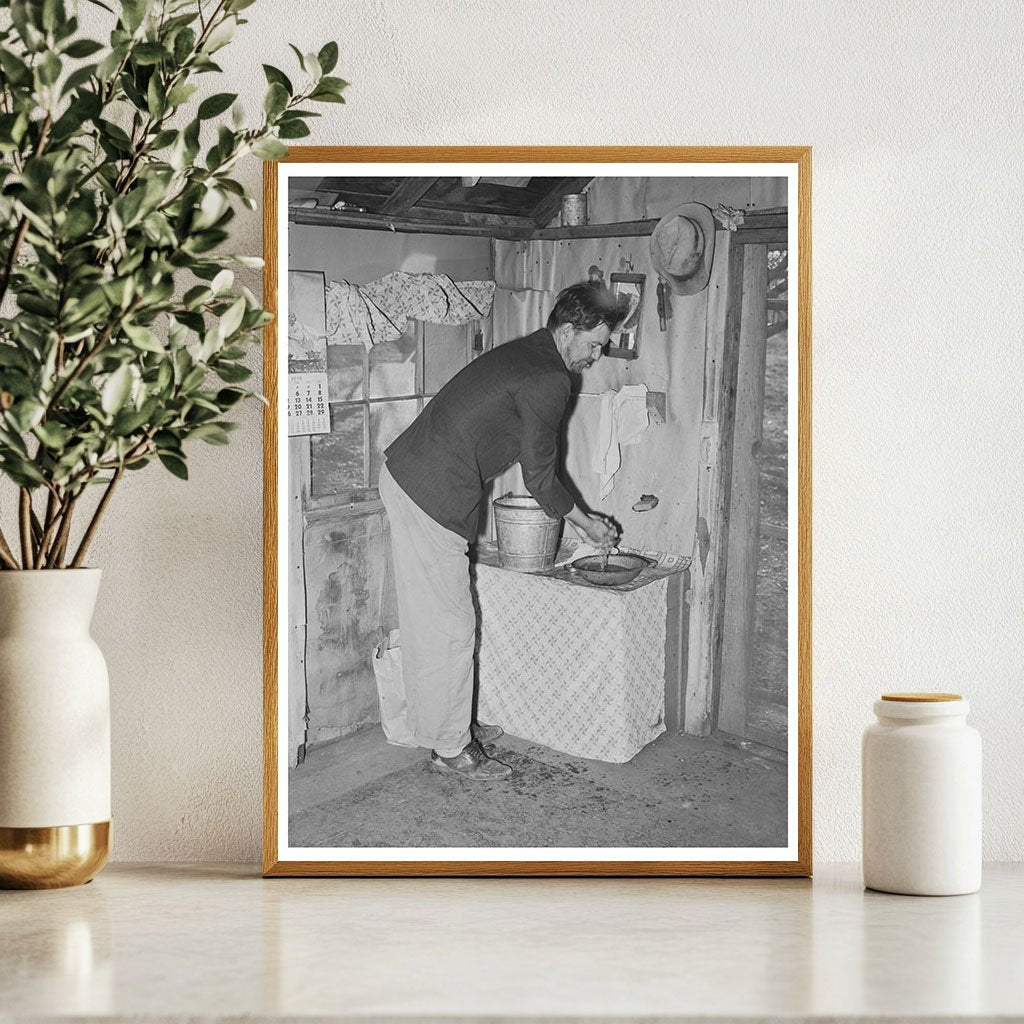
(712, 603)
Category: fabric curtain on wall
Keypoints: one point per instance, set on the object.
(377, 312)
(549, 265)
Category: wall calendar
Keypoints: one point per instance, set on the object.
(307, 404)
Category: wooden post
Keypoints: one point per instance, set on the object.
(699, 709)
(718, 521)
(298, 496)
(737, 572)
(677, 628)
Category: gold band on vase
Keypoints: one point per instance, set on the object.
(52, 857)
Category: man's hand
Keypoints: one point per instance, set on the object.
(594, 528)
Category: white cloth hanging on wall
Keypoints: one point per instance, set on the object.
(380, 311)
(624, 418)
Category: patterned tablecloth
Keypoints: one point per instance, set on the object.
(574, 667)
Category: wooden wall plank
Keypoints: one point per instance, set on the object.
(407, 195)
(677, 626)
(714, 581)
(298, 490)
(699, 711)
(714, 331)
(744, 501)
(346, 561)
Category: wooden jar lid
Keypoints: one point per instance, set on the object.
(921, 698)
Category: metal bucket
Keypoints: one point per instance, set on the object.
(527, 535)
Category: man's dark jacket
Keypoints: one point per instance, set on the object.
(504, 407)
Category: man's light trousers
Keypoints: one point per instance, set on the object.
(436, 619)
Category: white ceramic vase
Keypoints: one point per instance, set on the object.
(54, 731)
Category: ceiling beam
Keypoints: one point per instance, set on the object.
(407, 195)
(499, 221)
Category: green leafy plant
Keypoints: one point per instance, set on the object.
(124, 335)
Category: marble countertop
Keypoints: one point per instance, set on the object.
(180, 941)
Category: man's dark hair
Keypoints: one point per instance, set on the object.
(585, 306)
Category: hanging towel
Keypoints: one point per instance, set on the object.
(623, 419)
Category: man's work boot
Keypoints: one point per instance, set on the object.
(473, 763)
(486, 733)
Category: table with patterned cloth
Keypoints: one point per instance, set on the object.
(575, 667)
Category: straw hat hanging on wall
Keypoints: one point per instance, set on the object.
(683, 248)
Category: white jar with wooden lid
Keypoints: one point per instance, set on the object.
(921, 779)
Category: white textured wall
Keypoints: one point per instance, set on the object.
(913, 110)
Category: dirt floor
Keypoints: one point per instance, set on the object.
(679, 791)
(767, 712)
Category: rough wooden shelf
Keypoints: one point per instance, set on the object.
(757, 228)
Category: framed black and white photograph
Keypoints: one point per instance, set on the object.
(537, 511)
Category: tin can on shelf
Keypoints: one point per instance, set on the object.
(574, 210)
(921, 793)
